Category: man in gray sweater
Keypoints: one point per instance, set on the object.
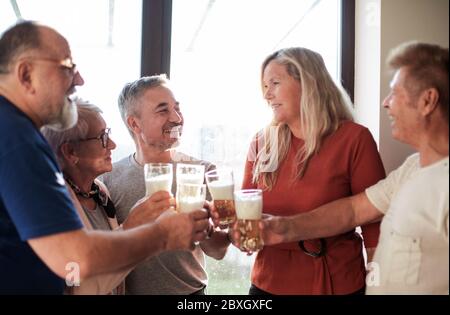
(153, 118)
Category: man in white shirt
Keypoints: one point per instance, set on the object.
(412, 254)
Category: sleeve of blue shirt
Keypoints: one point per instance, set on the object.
(34, 192)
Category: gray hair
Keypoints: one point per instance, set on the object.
(21, 37)
(129, 97)
(77, 132)
(427, 66)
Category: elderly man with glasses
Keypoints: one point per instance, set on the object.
(42, 239)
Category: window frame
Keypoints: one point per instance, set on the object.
(348, 46)
(157, 35)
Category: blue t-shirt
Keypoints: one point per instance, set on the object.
(34, 202)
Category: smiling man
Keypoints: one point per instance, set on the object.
(153, 117)
(41, 236)
(413, 250)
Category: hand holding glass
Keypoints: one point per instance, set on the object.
(221, 186)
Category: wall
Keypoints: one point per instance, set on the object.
(380, 26)
(367, 64)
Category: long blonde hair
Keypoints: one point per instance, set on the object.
(323, 106)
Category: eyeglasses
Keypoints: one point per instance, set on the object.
(69, 65)
(103, 137)
(65, 64)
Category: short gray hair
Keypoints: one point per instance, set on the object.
(77, 132)
(21, 37)
(132, 91)
(427, 66)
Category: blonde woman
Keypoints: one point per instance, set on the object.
(311, 153)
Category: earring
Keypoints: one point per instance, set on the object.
(75, 162)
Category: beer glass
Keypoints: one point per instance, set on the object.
(221, 186)
(158, 176)
(249, 206)
(190, 173)
(190, 197)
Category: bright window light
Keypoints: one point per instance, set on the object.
(105, 39)
(217, 50)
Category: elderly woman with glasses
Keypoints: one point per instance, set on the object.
(84, 153)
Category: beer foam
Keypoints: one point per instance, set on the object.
(221, 190)
(249, 208)
(189, 204)
(157, 183)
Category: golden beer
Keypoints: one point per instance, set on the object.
(221, 186)
(226, 210)
(250, 235)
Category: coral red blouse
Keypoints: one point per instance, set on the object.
(347, 164)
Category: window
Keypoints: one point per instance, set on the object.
(217, 50)
(105, 38)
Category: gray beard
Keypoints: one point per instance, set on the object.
(66, 119)
(161, 146)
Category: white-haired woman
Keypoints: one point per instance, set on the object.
(311, 153)
(84, 153)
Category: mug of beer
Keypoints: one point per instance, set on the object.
(190, 197)
(249, 206)
(190, 173)
(221, 186)
(158, 176)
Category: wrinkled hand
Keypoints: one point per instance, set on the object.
(148, 209)
(235, 235)
(233, 232)
(214, 214)
(273, 229)
(183, 229)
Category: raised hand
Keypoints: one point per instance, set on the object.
(148, 209)
(274, 229)
(214, 214)
(183, 229)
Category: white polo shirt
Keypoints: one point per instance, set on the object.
(412, 253)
